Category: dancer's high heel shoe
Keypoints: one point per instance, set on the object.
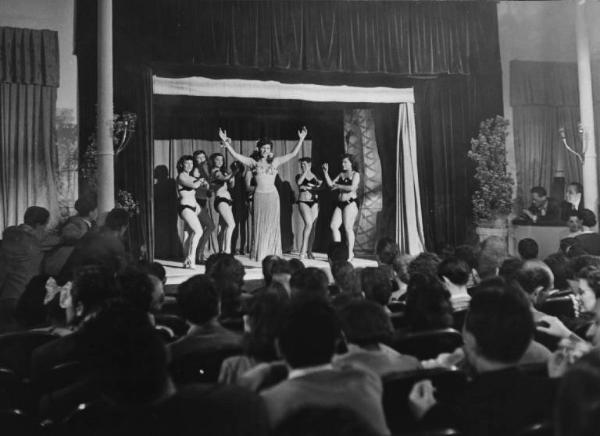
(302, 256)
(310, 256)
(187, 263)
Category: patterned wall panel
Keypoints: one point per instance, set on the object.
(359, 130)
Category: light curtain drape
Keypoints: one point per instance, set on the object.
(409, 222)
(545, 97)
(28, 81)
(27, 153)
(167, 152)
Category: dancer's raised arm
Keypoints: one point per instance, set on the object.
(226, 143)
(328, 180)
(286, 157)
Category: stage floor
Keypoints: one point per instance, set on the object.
(176, 274)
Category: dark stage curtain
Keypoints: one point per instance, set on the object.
(28, 160)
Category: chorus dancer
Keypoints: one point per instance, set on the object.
(346, 209)
(267, 227)
(201, 172)
(188, 208)
(222, 180)
(308, 204)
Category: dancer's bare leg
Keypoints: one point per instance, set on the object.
(336, 222)
(194, 233)
(229, 224)
(349, 216)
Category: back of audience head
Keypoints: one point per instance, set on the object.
(92, 287)
(338, 252)
(587, 218)
(453, 271)
(141, 290)
(491, 255)
(428, 304)
(528, 249)
(557, 262)
(467, 254)
(400, 266)
(212, 260)
(424, 264)
(157, 270)
(535, 278)
(117, 220)
(296, 265)
(308, 333)
(36, 217)
(386, 250)
(309, 283)
(577, 406)
(267, 265)
(86, 207)
(365, 323)
(510, 267)
(127, 354)
(376, 285)
(576, 264)
(499, 325)
(228, 275)
(345, 277)
(321, 421)
(262, 325)
(198, 299)
(572, 248)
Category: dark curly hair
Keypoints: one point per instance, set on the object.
(256, 155)
(352, 160)
(182, 160)
(428, 304)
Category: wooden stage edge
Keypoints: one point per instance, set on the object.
(176, 274)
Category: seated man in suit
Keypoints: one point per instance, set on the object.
(78, 225)
(200, 304)
(501, 399)
(543, 209)
(588, 240)
(573, 202)
(307, 342)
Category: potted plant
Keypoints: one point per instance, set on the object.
(492, 200)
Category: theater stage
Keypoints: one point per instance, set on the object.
(253, 278)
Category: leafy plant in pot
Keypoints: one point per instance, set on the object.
(492, 200)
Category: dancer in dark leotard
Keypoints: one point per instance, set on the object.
(188, 208)
(221, 181)
(202, 194)
(308, 204)
(346, 211)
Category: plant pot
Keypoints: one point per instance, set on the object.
(494, 227)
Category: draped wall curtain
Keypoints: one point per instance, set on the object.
(28, 82)
(545, 97)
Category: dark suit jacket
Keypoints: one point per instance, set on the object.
(552, 214)
(497, 403)
(209, 340)
(567, 208)
(62, 350)
(590, 242)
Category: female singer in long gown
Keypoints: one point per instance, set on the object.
(267, 228)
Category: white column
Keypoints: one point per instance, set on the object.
(104, 121)
(586, 108)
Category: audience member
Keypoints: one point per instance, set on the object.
(310, 283)
(338, 252)
(344, 280)
(588, 239)
(543, 209)
(574, 226)
(281, 273)
(501, 399)
(376, 285)
(467, 254)
(510, 267)
(307, 342)
(261, 326)
(137, 396)
(454, 273)
(491, 255)
(78, 225)
(577, 408)
(228, 274)
(104, 247)
(199, 303)
(142, 290)
(386, 250)
(92, 287)
(400, 267)
(428, 304)
(528, 249)
(296, 265)
(367, 329)
(21, 258)
(424, 264)
(573, 201)
(557, 262)
(536, 280)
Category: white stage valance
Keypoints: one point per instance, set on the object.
(269, 89)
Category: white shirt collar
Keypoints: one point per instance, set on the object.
(300, 372)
